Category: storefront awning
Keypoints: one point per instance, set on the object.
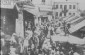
(29, 7)
(34, 10)
(71, 39)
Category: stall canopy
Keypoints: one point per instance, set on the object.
(71, 39)
(34, 10)
(28, 6)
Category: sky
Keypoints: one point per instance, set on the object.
(81, 3)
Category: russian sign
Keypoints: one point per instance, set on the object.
(7, 3)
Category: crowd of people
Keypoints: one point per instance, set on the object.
(38, 42)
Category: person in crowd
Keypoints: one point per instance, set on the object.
(37, 30)
(76, 53)
(49, 31)
(21, 40)
(64, 26)
(2, 33)
(28, 35)
(5, 45)
(1, 52)
(46, 46)
(67, 26)
(13, 38)
(12, 51)
(45, 30)
(58, 30)
(2, 42)
(2, 38)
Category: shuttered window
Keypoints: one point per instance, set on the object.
(56, 6)
(43, 0)
(73, 6)
(60, 6)
(70, 7)
(56, 13)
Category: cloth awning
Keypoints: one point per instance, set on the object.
(34, 10)
(29, 7)
(71, 39)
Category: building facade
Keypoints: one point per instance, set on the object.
(26, 17)
(8, 16)
(45, 10)
(42, 2)
(63, 9)
(15, 18)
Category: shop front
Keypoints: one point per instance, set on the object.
(26, 17)
(46, 14)
(29, 23)
(8, 20)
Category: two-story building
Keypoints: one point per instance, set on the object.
(63, 9)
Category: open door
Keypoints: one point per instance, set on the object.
(28, 20)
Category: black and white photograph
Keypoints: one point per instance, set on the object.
(42, 27)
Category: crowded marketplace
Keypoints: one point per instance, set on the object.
(41, 27)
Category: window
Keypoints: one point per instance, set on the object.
(70, 7)
(65, 6)
(61, 6)
(69, 13)
(73, 13)
(60, 14)
(73, 6)
(43, 1)
(56, 6)
(64, 14)
(56, 13)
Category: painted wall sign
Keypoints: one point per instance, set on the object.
(7, 3)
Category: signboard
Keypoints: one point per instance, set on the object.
(7, 4)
